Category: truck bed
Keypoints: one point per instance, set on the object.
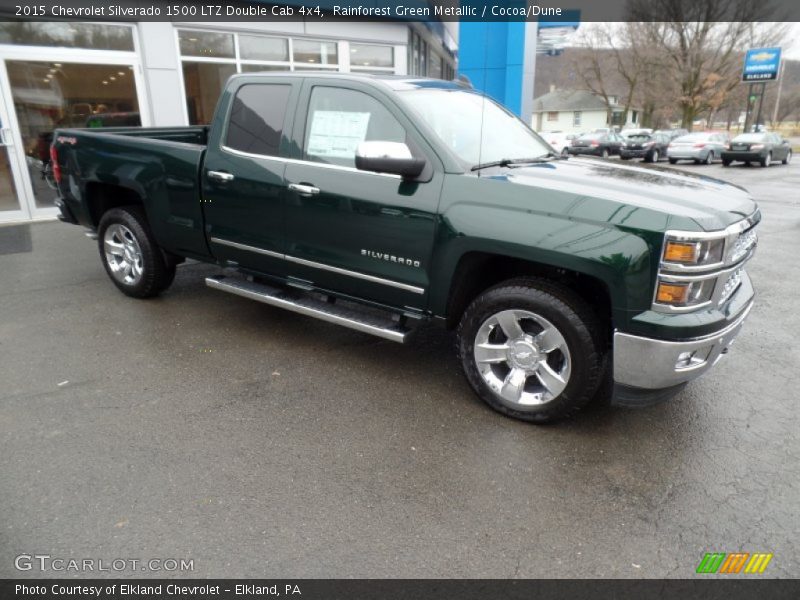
(193, 134)
(160, 164)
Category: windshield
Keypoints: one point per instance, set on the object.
(474, 127)
(638, 137)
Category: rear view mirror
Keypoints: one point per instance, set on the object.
(388, 157)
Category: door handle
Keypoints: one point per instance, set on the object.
(3, 140)
(303, 189)
(220, 176)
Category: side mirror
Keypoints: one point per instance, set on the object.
(388, 157)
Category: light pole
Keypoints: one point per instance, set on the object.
(778, 95)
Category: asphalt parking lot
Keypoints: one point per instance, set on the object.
(261, 443)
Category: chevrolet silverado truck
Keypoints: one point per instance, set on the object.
(379, 203)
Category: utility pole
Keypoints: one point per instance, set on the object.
(778, 95)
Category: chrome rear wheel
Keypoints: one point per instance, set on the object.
(123, 254)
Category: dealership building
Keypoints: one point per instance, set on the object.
(69, 74)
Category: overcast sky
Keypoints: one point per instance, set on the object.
(791, 50)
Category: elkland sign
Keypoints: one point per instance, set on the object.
(761, 64)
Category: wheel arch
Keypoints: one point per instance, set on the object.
(102, 197)
(477, 271)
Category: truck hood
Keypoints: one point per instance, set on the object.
(712, 203)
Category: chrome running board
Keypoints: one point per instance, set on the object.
(348, 314)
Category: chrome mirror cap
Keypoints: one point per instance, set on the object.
(378, 149)
(388, 157)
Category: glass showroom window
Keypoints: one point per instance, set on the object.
(311, 54)
(369, 58)
(209, 58)
(67, 35)
(259, 53)
(48, 95)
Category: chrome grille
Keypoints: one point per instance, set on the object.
(743, 244)
(731, 285)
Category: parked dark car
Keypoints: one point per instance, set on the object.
(763, 148)
(597, 144)
(651, 148)
(672, 133)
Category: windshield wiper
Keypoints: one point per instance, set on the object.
(506, 162)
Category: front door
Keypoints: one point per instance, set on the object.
(73, 88)
(243, 174)
(11, 209)
(359, 233)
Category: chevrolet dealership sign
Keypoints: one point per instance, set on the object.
(761, 64)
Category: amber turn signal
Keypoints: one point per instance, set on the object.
(683, 252)
(672, 293)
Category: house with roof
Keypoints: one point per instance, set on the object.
(578, 111)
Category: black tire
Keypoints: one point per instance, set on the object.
(156, 272)
(788, 158)
(726, 162)
(710, 158)
(574, 320)
(605, 153)
(673, 161)
(765, 162)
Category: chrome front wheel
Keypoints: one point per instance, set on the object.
(123, 254)
(522, 357)
(531, 349)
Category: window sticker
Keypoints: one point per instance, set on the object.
(336, 134)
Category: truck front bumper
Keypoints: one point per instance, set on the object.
(648, 370)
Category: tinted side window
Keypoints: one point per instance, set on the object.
(340, 119)
(257, 116)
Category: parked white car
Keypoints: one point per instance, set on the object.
(559, 140)
(701, 147)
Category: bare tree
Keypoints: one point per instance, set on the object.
(789, 107)
(702, 44)
(594, 67)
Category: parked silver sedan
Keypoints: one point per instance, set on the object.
(702, 147)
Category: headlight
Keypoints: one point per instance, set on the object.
(700, 269)
(682, 294)
(757, 147)
(688, 252)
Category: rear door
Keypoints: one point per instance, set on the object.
(359, 233)
(780, 148)
(243, 186)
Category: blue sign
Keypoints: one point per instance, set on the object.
(761, 64)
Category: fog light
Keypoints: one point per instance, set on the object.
(684, 360)
(693, 358)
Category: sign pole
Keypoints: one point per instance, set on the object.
(760, 104)
(748, 115)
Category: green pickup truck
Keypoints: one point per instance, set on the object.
(378, 203)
